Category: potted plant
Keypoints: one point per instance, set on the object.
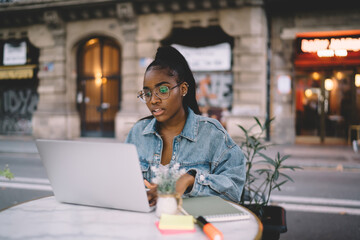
(165, 178)
(263, 175)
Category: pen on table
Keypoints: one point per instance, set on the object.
(210, 230)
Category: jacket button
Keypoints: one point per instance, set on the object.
(202, 177)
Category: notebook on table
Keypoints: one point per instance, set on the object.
(213, 209)
(102, 174)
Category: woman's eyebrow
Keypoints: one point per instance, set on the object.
(161, 83)
(158, 84)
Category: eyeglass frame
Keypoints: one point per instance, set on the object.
(151, 91)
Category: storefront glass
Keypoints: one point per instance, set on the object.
(326, 102)
(211, 67)
(18, 86)
(327, 98)
(209, 54)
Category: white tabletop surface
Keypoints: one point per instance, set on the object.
(46, 218)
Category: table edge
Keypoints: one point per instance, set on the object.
(257, 237)
(18, 204)
(260, 225)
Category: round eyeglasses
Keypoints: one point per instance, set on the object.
(162, 92)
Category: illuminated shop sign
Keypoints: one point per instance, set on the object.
(331, 47)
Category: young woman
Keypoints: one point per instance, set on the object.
(176, 133)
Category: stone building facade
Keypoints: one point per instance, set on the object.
(314, 20)
(262, 50)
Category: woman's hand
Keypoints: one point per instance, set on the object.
(183, 183)
(151, 193)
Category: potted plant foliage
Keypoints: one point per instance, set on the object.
(6, 173)
(165, 178)
(263, 176)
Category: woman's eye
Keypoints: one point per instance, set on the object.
(163, 89)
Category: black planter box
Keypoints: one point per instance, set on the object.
(274, 222)
(273, 219)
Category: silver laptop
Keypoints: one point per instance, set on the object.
(102, 174)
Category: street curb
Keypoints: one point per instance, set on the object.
(306, 157)
(337, 167)
(16, 146)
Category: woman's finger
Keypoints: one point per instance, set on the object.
(149, 185)
(151, 192)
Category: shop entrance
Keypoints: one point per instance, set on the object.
(326, 104)
(98, 86)
(19, 66)
(327, 85)
(209, 54)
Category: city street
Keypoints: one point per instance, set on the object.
(323, 202)
(318, 198)
(280, 70)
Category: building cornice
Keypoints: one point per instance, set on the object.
(27, 12)
(26, 5)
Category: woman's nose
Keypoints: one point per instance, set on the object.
(154, 99)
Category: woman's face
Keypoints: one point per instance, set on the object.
(165, 110)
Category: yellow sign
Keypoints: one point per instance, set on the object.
(23, 72)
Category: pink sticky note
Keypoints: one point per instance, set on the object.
(173, 231)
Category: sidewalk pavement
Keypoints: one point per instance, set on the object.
(338, 157)
(18, 145)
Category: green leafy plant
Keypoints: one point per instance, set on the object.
(166, 177)
(263, 173)
(6, 173)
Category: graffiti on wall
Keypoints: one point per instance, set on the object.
(214, 93)
(214, 89)
(17, 107)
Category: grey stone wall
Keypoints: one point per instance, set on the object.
(139, 36)
(246, 25)
(56, 116)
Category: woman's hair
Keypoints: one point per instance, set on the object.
(170, 59)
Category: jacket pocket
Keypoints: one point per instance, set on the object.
(145, 169)
(199, 165)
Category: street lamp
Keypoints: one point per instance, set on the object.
(357, 80)
(329, 84)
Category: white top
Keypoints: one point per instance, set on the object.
(48, 219)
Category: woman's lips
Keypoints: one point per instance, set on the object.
(158, 111)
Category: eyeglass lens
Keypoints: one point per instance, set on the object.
(161, 92)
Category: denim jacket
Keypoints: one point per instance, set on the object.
(203, 146)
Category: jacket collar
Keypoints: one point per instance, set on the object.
(189, 131)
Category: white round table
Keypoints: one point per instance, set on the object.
(46, 218)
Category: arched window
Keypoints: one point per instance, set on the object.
(98, 86)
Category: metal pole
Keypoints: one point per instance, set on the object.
(268, 66)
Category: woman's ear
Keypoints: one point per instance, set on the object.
(184, 88)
